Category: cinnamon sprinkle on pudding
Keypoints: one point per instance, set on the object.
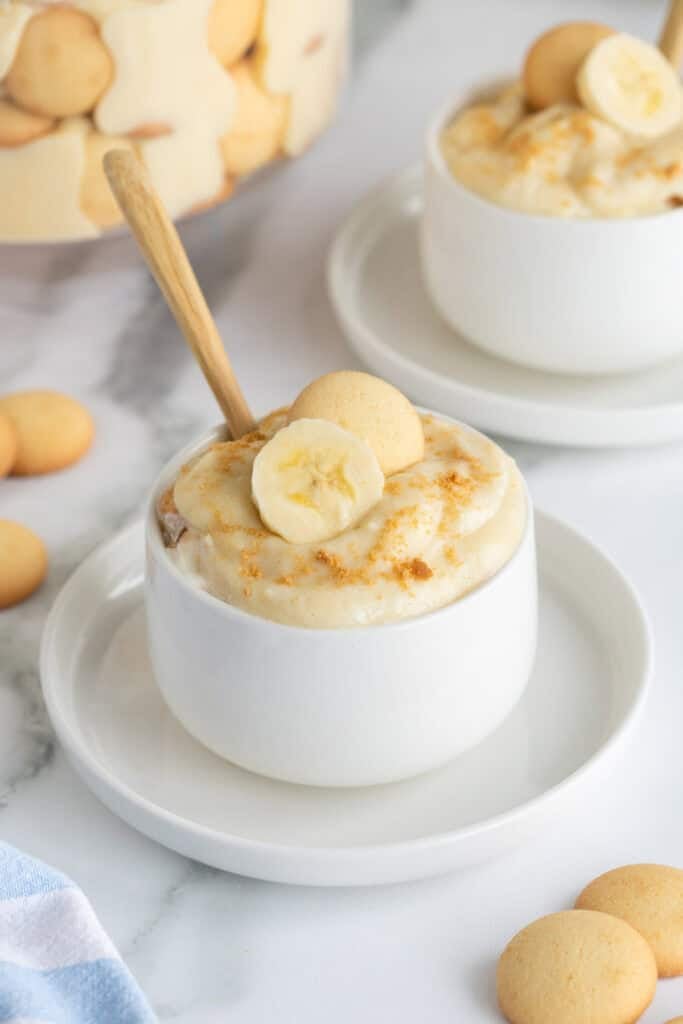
(441, 527)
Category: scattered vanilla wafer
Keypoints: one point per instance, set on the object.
(577, 965)
(23, 560)
(8, 445)
(650, 898)
(52, 430)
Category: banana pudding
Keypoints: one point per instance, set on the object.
(364, 513)
(593, 129)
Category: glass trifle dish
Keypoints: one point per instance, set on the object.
(346, 595)
(204, 91)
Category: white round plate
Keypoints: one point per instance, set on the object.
(376, 288)
(589, 683)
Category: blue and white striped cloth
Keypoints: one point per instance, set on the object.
(57, 966)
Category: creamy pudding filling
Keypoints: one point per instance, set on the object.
(561, 161)
(440, 528)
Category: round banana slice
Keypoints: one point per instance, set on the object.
(314, 479)
(631, 84)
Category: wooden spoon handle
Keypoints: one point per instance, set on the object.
(166, 258)
(671, 39)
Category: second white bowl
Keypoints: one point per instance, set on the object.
(571, 296)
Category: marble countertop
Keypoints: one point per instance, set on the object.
(86, 319)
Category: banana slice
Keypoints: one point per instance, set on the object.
(631, 84)
(314, 479)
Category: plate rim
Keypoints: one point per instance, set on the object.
(368, 219)
(95, 774)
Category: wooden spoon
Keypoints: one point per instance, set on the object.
(166, 258)
(671, 39)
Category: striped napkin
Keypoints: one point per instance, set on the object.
(57, 966)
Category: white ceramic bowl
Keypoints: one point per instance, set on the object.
(338, 707)
(571, 296)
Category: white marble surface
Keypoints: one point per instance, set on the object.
(209, 947)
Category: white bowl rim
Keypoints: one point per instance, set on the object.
(445, 113)
(154, 538)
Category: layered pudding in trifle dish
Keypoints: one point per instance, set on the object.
(347, 594)
(205, 92)
(552, 219)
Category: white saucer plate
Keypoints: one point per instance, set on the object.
(588, 685)
(376, 289)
